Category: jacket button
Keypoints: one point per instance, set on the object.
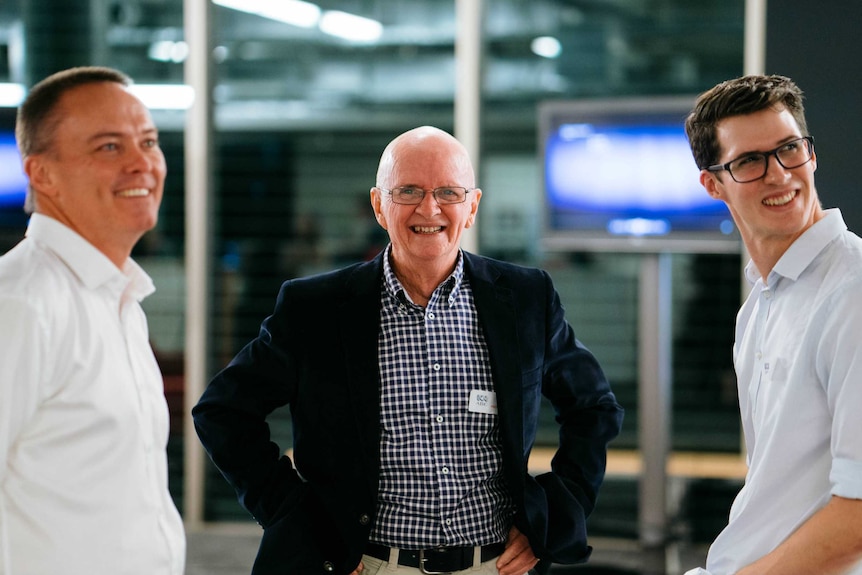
(364, 519)
(328, 566)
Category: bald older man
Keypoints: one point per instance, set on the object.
(414, 383)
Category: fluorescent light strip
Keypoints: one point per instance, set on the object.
(11, 95)
(164, 96)
(154, 96)
(350, 27)
(307, 15)
(296, 12)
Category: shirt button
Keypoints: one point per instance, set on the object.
(759, 355)
(431, 315)
(767, 294)
(364, 519)
(436, 367)
(448, 522)
(328, 566)
(439, 419)
(445, 471)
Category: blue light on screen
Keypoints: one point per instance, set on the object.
(627, 179)
(13, 182)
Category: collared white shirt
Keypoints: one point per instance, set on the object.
(83, 417)
(798, 358)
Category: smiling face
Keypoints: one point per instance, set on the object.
(775, 210)
(103, 175)
(426, 235)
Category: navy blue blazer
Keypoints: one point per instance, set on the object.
(317, 353)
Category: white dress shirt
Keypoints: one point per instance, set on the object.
(83, 417)
(798, 361)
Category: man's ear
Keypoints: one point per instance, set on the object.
(40, 174)
(712, 184)
(376, 201)
(474, 207)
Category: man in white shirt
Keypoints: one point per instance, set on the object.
(797, 352)
(83, 418)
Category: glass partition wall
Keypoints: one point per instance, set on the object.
(306, 98)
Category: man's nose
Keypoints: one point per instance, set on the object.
(774, 170)
(138, 159)
(429, 204)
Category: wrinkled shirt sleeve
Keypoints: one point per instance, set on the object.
(839, 366)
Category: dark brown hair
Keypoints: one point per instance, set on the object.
(737, 97)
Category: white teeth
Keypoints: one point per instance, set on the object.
(424, 230)
(134, 193)
(780, 200)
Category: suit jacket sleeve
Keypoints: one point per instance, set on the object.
(535, 353)
(230, 419)
(317, 354)
(589, 418)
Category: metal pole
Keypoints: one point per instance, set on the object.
(468, 90)
(654, 391)
(754, 48)
(198, 183)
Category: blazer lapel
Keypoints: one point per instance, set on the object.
(359, 327)
(498, 317)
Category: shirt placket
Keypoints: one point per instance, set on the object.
(762, 364)
(141, 371)
(443, 425)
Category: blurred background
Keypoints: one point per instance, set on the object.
(304, 97)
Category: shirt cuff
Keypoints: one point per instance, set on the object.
(846, 478)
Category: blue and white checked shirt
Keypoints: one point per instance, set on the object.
(441, 478)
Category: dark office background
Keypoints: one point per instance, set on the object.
(817, 44)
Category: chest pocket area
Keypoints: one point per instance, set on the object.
(771, 387)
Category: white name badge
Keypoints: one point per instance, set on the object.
(483, 402)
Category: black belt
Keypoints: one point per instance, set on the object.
(437, 560)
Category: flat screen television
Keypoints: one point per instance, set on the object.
(618, 175)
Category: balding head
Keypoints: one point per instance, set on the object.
(425, 144)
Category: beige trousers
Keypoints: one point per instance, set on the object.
(374, 566)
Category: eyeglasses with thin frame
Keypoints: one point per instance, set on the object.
(412, 195)
(751, 167)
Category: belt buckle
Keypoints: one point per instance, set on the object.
(423, 560)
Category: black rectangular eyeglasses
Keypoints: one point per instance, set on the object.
(753, 166)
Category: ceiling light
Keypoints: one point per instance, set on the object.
(168, 51)
(546, 47)
(350, 27)
(296, 12)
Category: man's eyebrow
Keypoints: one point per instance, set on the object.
(779, 143)
(99, 135)
(110, 134)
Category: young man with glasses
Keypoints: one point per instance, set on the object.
(797, 353)
(414, 383)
